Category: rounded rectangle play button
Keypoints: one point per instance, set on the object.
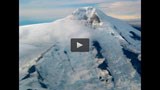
(79, 44)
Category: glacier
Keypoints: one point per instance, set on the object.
(112, 63)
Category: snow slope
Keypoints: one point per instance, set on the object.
(113, 62)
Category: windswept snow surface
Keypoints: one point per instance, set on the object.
(113, 62)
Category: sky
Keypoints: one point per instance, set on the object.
(38, 11)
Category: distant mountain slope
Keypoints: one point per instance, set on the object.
(113, 62)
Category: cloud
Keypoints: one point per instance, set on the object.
(50, 9)
(44, 14)
(42, 10)
(123, 9)
(55, 3)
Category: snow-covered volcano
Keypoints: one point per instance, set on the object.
(113, 62)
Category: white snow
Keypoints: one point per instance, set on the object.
(62, 69)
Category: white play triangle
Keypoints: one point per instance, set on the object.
(79, 45)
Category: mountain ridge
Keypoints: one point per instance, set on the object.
(46, 47)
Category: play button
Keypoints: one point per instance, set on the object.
(79, 44)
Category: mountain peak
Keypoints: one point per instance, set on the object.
(86, 10)
(87, 13)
